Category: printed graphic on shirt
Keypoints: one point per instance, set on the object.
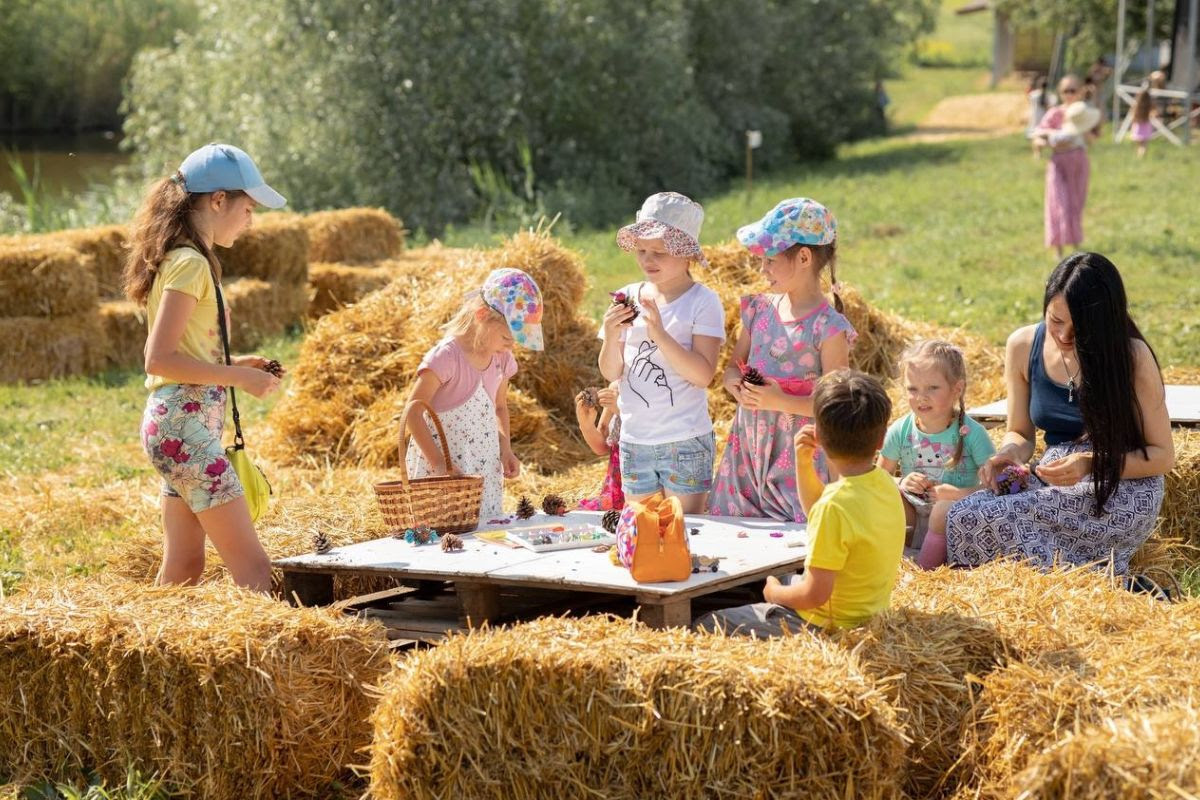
(930, 457)
(644, 372)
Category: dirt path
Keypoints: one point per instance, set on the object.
(973, 116)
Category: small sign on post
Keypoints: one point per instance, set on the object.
(753, 142)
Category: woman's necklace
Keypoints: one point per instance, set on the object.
(1070, 377)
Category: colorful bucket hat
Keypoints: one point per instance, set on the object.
(514, 295)
(797, 220)
(671, 217)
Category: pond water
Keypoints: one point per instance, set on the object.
(66, 163)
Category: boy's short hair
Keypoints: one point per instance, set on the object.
(852, 411)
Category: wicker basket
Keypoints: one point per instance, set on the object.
(449, 504)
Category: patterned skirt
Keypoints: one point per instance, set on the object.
(472, 434)
(1048, 525)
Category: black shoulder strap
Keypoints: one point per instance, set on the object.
(238, 441)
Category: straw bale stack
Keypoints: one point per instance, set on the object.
(108, 247)
(923, 661)
(124, 332)
(602, 706)
(357, 364)
(218, 691)
(260, 310)
(353, 235)
(1153, 756)
(1180, 515)
(1074, 665)
(104, 250)
(337, 285)
(275, 249)
(45, 279)
(37, 348)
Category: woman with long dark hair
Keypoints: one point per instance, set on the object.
(1086, 377)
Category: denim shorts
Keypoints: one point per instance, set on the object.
(682, 468)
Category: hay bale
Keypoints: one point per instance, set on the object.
(610, 706)
(38, 348)
(45, 279)
(923, 662)
(124, 333)
(1094, 664)
(1153, 755)
(218, 691)
(1180, 515)
(338, 285)
(105, 249)
(108, 247)
(353, 235)
(275, 249)
(260, 310)
(357, 364)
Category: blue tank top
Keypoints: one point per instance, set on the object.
(1049, 408)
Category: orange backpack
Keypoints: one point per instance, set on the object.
(652, 542)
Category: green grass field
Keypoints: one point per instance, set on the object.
(951, 232)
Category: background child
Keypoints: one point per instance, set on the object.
(938, 448)
(173, 272)
(1143, 129)
(790, 335)
(465, 378)
(664, 353)
(603, 435)
(855, 524)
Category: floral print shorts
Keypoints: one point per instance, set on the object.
(181, 432)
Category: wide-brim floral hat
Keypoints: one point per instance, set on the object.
(669, 216)
(797, 220)
(515, 295)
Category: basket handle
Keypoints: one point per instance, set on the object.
(437, 423)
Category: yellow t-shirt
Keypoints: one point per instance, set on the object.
(185, 270)
(856, 527)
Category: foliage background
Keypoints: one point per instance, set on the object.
(438, 110)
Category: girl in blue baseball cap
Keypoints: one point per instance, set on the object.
(790, 337)
(173, 272)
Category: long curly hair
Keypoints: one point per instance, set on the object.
(164, 222)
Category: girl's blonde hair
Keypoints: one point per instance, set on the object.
(470, 314)
(949, 359)
(163, 223)
(825, 255)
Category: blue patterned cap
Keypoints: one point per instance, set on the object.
(797, 220)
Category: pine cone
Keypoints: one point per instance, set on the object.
(610, 519)
(321, 544)
(622, 299)
(525, 508)
(590, 398)
(451, 542)
(751, 376)
(274, 367)
(554, 505)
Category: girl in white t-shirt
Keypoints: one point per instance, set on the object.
(464, 377)
(662, 344)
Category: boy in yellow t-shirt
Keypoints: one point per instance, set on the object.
(855, 524)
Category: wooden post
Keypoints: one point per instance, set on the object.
(1190, 73)
(478, 602)
(749, 165)
(308, 588)
(671, 613)
(1119, 69)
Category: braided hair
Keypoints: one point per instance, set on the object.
(949, 359)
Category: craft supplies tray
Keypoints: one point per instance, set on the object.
(545, 538)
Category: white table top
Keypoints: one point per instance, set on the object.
(756, 554)
(1183, 406)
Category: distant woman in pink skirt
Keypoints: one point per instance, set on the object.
(1067, 129)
